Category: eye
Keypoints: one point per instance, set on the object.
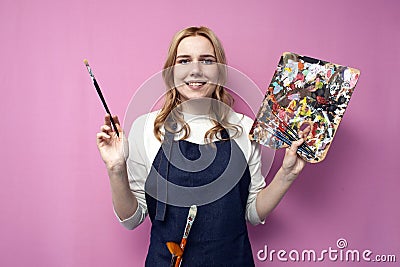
(208, 61)
(183, 61)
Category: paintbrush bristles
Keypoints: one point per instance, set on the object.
(86, 62)
(174, 249)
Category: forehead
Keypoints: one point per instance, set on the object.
(195, 46)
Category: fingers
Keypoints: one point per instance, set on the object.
(107, 121)
(106, 129)
(117, 123)
(306, 131)
(116, 120)
(102, 137)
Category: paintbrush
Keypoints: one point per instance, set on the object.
(293, 135)
(279, 135)
(279, 130)
(177, 251)
(96, 85)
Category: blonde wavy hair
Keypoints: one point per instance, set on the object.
(170, 115)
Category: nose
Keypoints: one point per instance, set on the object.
(196, 70)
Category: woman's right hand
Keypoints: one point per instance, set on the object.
(114, 150)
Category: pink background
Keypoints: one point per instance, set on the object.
(55, 202)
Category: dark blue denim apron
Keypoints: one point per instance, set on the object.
(219, 234)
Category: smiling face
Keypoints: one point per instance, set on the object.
(195, 71)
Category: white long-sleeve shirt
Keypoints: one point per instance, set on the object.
(144, 146)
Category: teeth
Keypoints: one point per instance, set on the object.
(195, 84)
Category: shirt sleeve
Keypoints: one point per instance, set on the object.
(256, 185)
(137, 172)
(257, 182)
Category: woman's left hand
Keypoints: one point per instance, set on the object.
(292, 164)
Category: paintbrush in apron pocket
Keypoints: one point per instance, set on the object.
(177, 250)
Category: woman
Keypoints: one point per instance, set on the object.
(194, 116)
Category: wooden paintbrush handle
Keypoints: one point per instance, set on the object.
(178, 261)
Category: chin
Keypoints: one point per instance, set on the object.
(193, 95)
(187, 93)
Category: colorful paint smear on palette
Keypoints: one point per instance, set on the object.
(304, 91)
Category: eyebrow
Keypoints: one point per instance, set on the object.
(201, 56)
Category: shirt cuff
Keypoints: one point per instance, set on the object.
(253, 217)
(133, 221)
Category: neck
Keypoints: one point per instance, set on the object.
(199, 106)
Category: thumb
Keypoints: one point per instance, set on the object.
(295, 145)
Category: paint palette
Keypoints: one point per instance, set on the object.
(304, 92)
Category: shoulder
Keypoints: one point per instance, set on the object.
(144, 123)
(145, 119)
(142, 129)
(143, 145)
(245, 144)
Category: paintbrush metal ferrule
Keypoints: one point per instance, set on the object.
(88, 68)
(90, 72)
